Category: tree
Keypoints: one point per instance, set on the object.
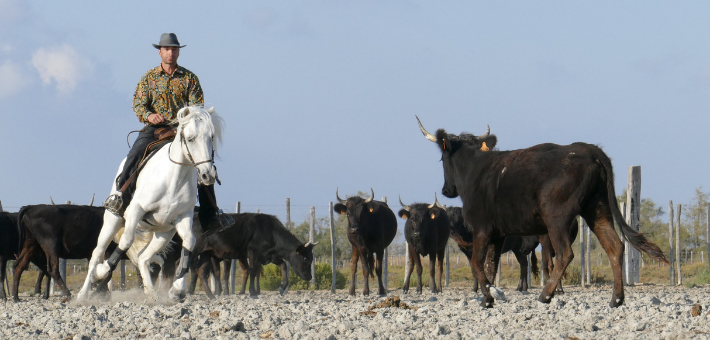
(693, 234)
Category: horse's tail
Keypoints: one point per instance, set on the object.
(636, 239)
(533, 265)
(140, 241)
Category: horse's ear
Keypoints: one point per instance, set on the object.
(210, 110)
(183, 112)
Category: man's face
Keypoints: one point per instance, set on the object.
(169, 55)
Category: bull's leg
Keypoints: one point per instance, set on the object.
(184, 229)
(378, 271)
(112, 224)
(225, 276)
(473, 272)
(409, 270)
(254, 269)
(204, 270)
(20, 265)
(157, 243)
(563, 257)
(523, 261)
(478, 259)
(245, 274)
(418, 263)
(548, 253)
(365, 259)
(440, 259)
(432, 273)
(283, 288)
(194, 268)
(51, 251)
(3, 272)
(353, 271)
(258, 280)
(216, 273)
(38, 283)
(603, 228)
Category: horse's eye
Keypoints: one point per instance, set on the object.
(191, 140)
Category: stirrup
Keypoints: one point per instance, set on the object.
(114, 203)
(225, 222)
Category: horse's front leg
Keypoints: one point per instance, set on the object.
(132, 215)
(112, 224)
(160, 239)
(184, 229)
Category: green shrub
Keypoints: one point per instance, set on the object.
(271, 278)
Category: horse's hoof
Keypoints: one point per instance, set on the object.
(486, 303)
(101, 272)
(616, 302)
(544, 298)
(175, 297)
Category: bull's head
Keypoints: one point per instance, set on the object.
(449, 144)
(356, 208)
(301, 260)
(421, 219)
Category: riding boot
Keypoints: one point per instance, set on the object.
(212, 219)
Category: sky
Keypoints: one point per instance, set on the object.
(319, 95)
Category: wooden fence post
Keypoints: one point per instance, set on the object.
(529, 270)
(542, 272)
(233, 264)
(671, 236)
(312, 238)
(625, 260)
(0, 206)
(582, 248)
(448, 275)
(332, 247)
(677, 244)
(707, 230)
(123, 275)
(498, 273)
(385, 262)
(633, 215)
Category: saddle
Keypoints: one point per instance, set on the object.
(164, 135)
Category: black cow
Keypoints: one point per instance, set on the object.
(371, 228)
(50, 232)
(262, 239)
(535, 191)
(521, 246)
(426, 232)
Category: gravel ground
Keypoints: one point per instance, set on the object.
(649, 312)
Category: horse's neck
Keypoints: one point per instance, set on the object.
(161, 176)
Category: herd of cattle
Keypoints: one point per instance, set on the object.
(512, 201)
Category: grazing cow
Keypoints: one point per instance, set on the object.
(262, 239)
(371, 228)
(535, 191)
(50, 232)
(426, 232)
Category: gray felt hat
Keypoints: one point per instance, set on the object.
(168, 39)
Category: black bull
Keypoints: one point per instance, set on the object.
(371, 228)
(535, 191)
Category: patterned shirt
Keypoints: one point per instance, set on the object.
(159, 92)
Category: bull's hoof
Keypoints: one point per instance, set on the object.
(487, 302)
(283, 291)
(544, 298)
(253, 296)
(101, 272)
(366, 293)
(616, 302)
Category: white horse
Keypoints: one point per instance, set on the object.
(163, 203)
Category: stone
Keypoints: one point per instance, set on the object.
(696, 310)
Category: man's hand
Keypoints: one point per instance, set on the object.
(155, 118)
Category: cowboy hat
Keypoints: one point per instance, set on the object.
(168, 40)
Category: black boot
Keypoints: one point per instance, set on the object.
(212, 219)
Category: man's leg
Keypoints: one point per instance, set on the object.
(118, 201)
(209, 212)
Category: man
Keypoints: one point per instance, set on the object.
(160, 93)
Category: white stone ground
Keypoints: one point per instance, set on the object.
(649, 312)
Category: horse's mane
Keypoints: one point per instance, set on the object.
(214, 124)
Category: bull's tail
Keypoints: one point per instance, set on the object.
(369, 261)
(636, 239)
(21, 233)
(533, 265)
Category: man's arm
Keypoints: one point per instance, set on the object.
(141, 101)
(195, 96)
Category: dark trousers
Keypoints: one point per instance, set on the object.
(145, 137)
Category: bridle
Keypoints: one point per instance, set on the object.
(189, 155)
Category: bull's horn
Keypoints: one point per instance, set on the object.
(51, 200)
(426, 133)
(371, 197)
(92, 200)
(309, 243)
(485, 135)
(436, 203)
(342, 201)
(406, 207)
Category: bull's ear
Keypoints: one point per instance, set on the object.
(403, 213)
(373, 207)
(489, 142)
(340, 208)
(300, 249)
(443, 141)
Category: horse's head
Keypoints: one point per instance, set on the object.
(199, 133)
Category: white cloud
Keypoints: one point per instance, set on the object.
(12, 79)
(62, 65)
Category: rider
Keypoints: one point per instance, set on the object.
(160, 93)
